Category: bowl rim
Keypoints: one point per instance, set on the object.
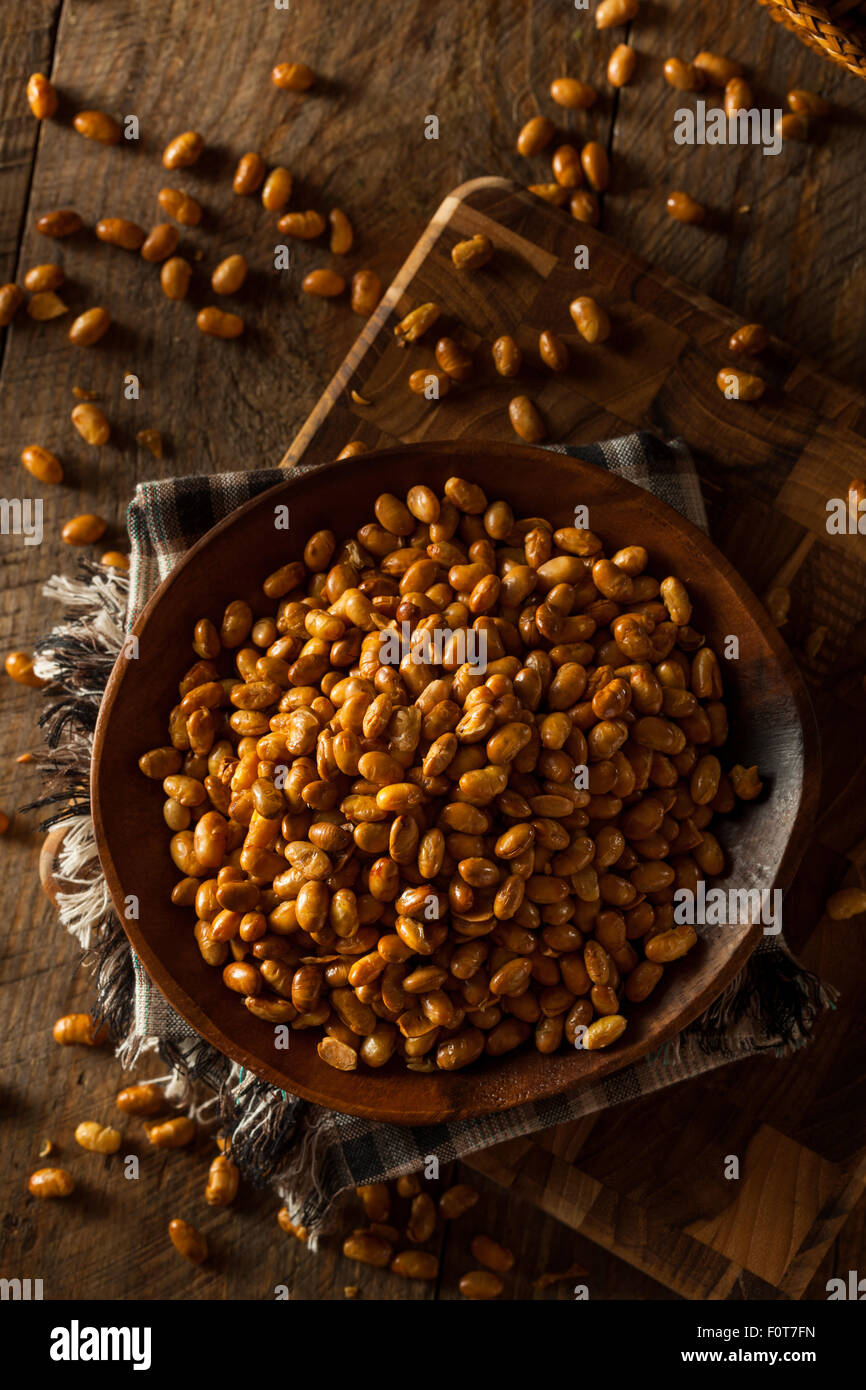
(604, 1063)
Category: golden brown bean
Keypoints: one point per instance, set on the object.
(10, 300)
(590, 319)
(806, 103)
(717, 70)
(526, 419)
(683, 76)
(737, 385)
(293, 77)
(342, 235)
(610, 13)
(99, 126)
(222, 1182)
(78, 1028)
(366, 292)
(534, 135)
(219, 324)
(83, 530)
(89, 327)
(249, 174)
(143, 1098)
(41, 96)
(44, 277)
(417, 322)
(368, 1249)
(794, 126)
(174, 277)
(553, 352)
(584, 207)
(573, 94)
(118, 231)
(229, 275)
(183, 151)
(303, 225)
(51, 1182)
(175, 1133)
(621, 65)
(480, 1284)
(596, 165)
(187, 1241)
(160, 242)
(42, 464)
(277, 189)
(323, 284)
(751, 339)
(99, 1139)
(63, 222)
(554, 193)
(453, 359)
(491, 1254)
(179, 205)
(682, 207)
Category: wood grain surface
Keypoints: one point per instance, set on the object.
(784, 246)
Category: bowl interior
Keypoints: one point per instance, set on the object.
(770, 725)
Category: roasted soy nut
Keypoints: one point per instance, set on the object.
(83, 530)
(78, 1028)
(553, 352)
(249, 174)
(219, 324)
(534, 135)
(590, 319)
(567, 168)
(847, 903)
(584, 207)
(416, 322)
(749, 340)
(63, 222)
(432, 384)
(11, 299)
(415, 1264)
(187, 1241)
(293, 77)
(491, 1254)
(366, 292)
(551, 192)
(160, 242)
(323, 284)
(179, 205)
(144, 1098)
(99, 1139)
(286, 1224)
(805, 103)
(222, 1182)
(473, 253)
(621, 65)
(174, 277)
(41, 278)
(526, 419)
(183, 151)
(89, 327)
(118, 231)
(41, 96)
(342, 236)
(683, 76)
(603, 1032)
(507, 357)
(738, 96)
(99, 126)
(480, 1284)
(51, 1182)
(596, 165)
(682, 207)
(229, 275)
(277, 190)
(794, 126)
(368, 1249)
(91, 424)
(43, 306)
(175, 1133)
(573, 94)
(610, 13)
(457, 1200)
(453, 359)
(42, 464)
(717, 70)
(737, 385)
(304, 225)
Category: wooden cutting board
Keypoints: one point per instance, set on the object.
(647, 1180)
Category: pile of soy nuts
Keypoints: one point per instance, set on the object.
(434, 859)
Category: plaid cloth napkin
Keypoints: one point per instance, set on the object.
(308, 1153)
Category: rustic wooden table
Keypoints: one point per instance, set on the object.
(784, 246)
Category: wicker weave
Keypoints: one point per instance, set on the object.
(837, 29)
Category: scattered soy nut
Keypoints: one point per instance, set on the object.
(366, 292)
(293, 77)
(323, 283)
(416, 322)
(91, 424)
(175, 1133)
(454, 359)
(567, 168)
(187, 1241)
(11, 299)
(151, 440)
(573, 94)
(183, 151)
(526, 419)
(99, 1139)
(19, 666)
(610, 13)
(277, 190)
(352, 449)
(174, 277)
(805, 103)
(179, 205)
(534, 135)
(717, 70)
(218, 324)
(603, 1032)
(491, 1254)
(229, 275)
(78, 1028)
(553, 351)
(736, 385)
(51, 1182)
(342, 235)
(596, 165)
(584, 207)
(99, 126)
(473, 253)
(41, 96)
(745, 781)
(83, 530)
(89, 327)
(683, 76)
(376, 1201)
(621, 65)
(119, 231)
(368, 1250)
(222, 1182)
(160, 242)
(249, 174)
(457, 1200)
(63, 222)
(42, 464)
(551, 193)
(304, 225)
(286, 1224)
(682, 207)
(480, 1284)
(44, 277)
(590, 319)
(431, 383)
(409, 1185)
(114, 560)
(415, 1264)
(794, 126)
(738, 96)
(845, 904)
(507, 357)
(751, 339)
(46, 305)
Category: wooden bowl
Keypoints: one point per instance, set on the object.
(771, 723)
